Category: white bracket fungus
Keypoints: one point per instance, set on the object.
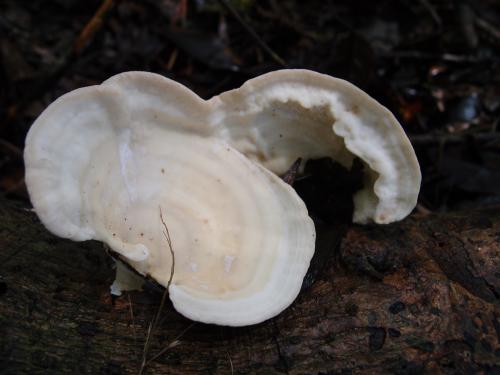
(101, 161)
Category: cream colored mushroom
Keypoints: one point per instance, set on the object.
(102, 161)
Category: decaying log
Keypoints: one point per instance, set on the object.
(419, 296)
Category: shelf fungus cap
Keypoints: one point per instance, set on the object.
(101, 162)
(280, 116)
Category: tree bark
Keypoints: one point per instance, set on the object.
(419, 296)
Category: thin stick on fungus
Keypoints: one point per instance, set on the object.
(154, 323)
(166, 233)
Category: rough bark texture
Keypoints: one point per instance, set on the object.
(420, 296)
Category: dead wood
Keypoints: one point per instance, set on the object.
(420, 296)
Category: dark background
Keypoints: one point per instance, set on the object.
(434, 63)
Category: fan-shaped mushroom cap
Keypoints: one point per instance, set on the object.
(102, 161)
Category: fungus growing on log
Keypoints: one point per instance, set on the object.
(102, 161)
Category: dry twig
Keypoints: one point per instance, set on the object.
(291, 173)
(172, 344)
(11, 149)
(252, 33)
(132, 319)
(154, 323)
(448, 57)
(92, 27)
(428, 138)
(488, 28)
(230, 363)
(435, 16)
